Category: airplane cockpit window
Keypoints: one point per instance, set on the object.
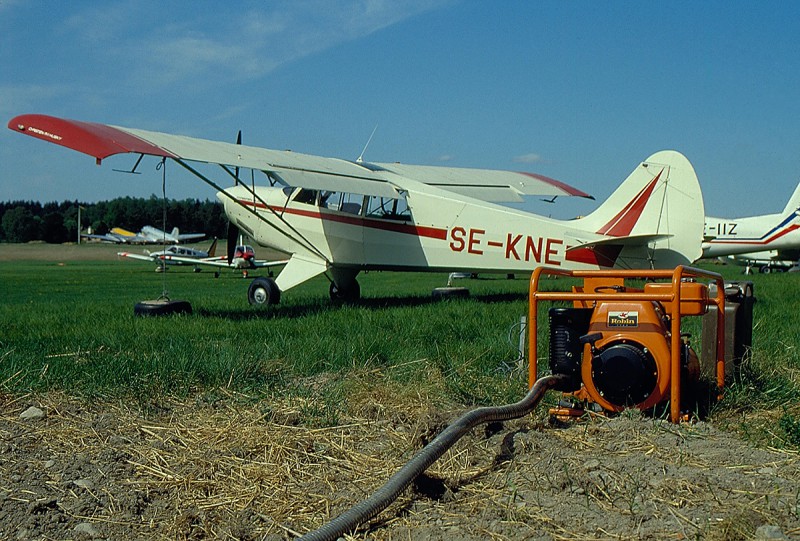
(343, 202)
(387, 208)
(306, 196)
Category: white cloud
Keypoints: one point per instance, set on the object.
(17, 99)
(531, 157)
(237, 47)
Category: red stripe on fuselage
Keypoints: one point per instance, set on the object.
(351, 219)
(764, 242)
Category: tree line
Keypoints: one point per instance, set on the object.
(26, 221)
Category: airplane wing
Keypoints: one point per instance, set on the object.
(131, 255)
(221, 261)
(291, 168)
(190, 236)
(487, 185)
(105, 238)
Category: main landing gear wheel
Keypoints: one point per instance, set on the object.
(161, 307)
(348, 294)
(263, 291)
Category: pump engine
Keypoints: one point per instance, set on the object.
(622, 345)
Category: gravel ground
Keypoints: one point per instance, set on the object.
(248, 470)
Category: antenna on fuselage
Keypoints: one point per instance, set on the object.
(360, 158)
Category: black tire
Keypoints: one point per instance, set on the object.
(162, 308)
(263, 291)
(345, 295)
(765, 269)
(450, 293)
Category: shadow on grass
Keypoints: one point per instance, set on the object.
(369, 303)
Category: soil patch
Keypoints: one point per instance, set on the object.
(239, 469)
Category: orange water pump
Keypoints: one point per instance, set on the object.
(621, 345)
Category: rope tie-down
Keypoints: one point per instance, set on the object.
(384, 496)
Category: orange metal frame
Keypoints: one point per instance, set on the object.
(671, 301)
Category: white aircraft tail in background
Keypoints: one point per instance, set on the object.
(339, 217)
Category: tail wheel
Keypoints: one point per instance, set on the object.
(263, 291)
(350, 293)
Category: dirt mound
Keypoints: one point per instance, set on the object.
(239, 469)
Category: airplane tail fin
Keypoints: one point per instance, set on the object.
(176, 232)
(654, 219)
(212, 250)
(794, 202)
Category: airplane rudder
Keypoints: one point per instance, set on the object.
(794, 201)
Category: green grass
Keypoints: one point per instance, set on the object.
(71, 328)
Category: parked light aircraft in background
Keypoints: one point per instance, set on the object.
(184, 255)
(338, 217)
(767, 241)
(243, 258)
(148, 235)
(765, 262)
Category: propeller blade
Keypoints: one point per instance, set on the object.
(236, 169)
(233, 238)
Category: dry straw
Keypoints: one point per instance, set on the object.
(237, 468)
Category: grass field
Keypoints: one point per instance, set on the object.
(68, 325)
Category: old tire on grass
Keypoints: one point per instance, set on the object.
(263, 291)
(161, 307)
(450, 292)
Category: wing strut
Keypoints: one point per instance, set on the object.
(302, 240)
(132, 171)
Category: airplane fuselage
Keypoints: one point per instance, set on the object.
(434, 232)
(752, 234)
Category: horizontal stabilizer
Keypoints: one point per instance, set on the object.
(632, 240)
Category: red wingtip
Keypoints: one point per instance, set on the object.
(96, 140)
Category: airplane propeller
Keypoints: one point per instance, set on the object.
(233, 231)
(233, 238)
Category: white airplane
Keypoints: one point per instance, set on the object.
(241, 257)
(767, 241)
(341, 217)
(148, 235)
(175, 255)
(765, 262)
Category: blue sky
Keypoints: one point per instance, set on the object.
(580, 91)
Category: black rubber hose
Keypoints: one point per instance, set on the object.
(384, 496)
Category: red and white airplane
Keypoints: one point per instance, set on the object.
(341, 217)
